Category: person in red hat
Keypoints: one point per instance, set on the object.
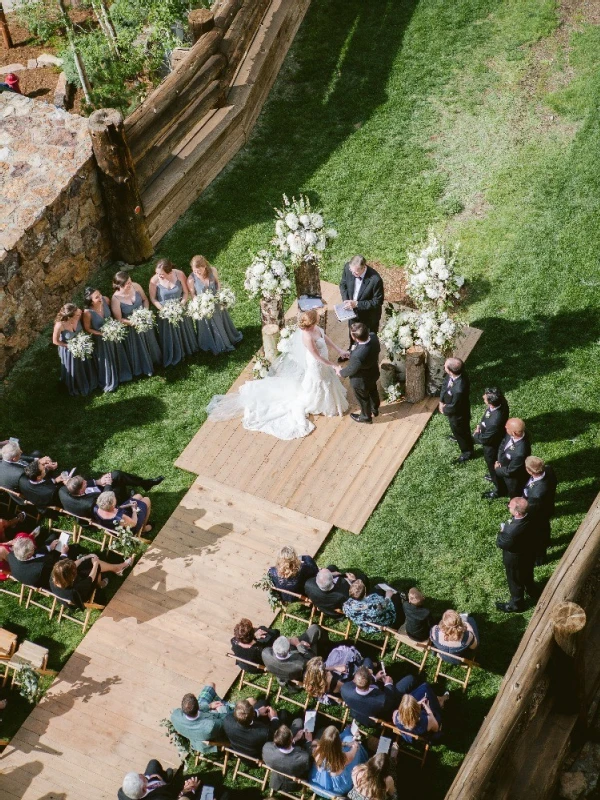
(11, 84)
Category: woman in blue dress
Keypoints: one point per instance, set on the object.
(335, 756)
(142, 349)
(420, 714)
(112, 363)
(218, 334)
(133, 514)
(79, 375)
(176, 341)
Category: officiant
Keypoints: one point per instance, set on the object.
(361, 288)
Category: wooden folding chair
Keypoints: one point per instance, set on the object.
(35, 595)
(301, 703)
(76, 522)
(420, 743)
(8, 644)
(344, 633)
(66, 605)
(459, 662)
(242, 759)
(10, 583)
(335, 701)
(387, 632)
(298, 598)
(22, 504)
(261, 668)
(28, 653)
(403, 640)
(307, 792)
(221, 748)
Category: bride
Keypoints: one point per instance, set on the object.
(300, 382)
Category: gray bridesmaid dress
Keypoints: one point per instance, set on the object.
(176, 341)
(112, 363)
(218, 334)
(142, 349)
(79, 376)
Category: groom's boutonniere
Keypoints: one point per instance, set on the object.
(487, 414)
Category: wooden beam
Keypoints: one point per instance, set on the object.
(4, 30)
(239, 36)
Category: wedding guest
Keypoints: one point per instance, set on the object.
(291, 571)
(510, 476)
(420, 713)
(7, 524)
(373, 779)
(142, 349)
(329, 590)
(200, 719)
(111, 359)
(218, 334)
(361, 288)
(288, 754)
(335, 755)
(366, 699)
(78, 374)
(287, 658)
(75, 581)
(37, 487)
(108, 514)
(249, 642)
(455, 634)
(361, 608)
(540, 493)
(319, 681)
(11, 466)
(249, 727)
(7, 544)
(176, 341)
(490, 431)
(158, 784)
(418, 619)
(456, 406)
(78, 495)
(517, 542)
(32, 565)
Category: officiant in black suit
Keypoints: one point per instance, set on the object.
(361, 288)
(363, 371)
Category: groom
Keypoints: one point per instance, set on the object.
(361, 288)
(363, 371)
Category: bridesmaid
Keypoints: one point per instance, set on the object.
(176, 341)
(142, 349)
(79, 376)
(218, 334)
(111, 359)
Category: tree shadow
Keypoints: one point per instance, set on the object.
(557, 426)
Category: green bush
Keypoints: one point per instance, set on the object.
(42, 18)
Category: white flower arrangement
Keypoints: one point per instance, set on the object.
(260, 368)
(300, 233)
(202, 306)
(267, 277)
(81, 346)
(226, 297)
(436, 331)
(142, 320)
(285, 338)
(114, 331)
(393, 393)
(399, 331)
(173, 312)
(432, 278)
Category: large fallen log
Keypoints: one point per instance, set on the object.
(241, 32)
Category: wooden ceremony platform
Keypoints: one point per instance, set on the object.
(167, 630)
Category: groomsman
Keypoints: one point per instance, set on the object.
(490, 431)
(455, 404)
(361, 288)
(540, 493)
(517, 544)
(363, 371)
(509, 475)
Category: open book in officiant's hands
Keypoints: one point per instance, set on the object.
(344, 314)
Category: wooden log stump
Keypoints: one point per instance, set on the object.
(388, 375)
(308, 278)
(126, 220)
(415, 374)
(270, 338)
(568, 621)
(271, 312)
(435, 373)
(201, 21)
(567, 666)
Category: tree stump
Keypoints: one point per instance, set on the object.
(415, 374)
(271, 312)
(567, 667)
(388, 375)
(122, 200)
(270, 337)
(308, 278)
(201, 21)
(435, 373)
(568, 620)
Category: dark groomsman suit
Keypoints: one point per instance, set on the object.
(83, 504)
(368, 293)
(363, 371)
(491, 432)
(540, 493)
(516, 540)
(510, 477)
(454, 396)
(295, 763)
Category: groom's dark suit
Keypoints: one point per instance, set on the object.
(363, 371)
(370, 297)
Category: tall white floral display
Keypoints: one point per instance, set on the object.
(267, 278)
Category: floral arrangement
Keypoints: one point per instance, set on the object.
(265, 584)
(173, 312)
(261, 367)
(399, 331)
(436, 331)
(285, 338)
(114, 331)
(81, 346)
(267, 277)
(226, 297)
(142, 320)
(393, 393)
(180, 742)
(432, 278)
(202, 306)
(300, 232)
(129, 544)
(29, 681)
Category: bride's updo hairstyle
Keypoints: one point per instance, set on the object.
(307, 319)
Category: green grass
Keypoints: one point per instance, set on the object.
(395, 115)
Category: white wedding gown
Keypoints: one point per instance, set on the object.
(297, 385)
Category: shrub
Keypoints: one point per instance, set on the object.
(42, 18)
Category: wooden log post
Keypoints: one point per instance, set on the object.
(415, 374)
(201, 21)
(224, 12)
(567, 665)
(308, 278)
(4, 30)
(271, 312)
(238, 37)
(126, 221)
(388, 374)
(270, 338)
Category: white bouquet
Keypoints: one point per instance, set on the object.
(142, 320)
(173, 312)
(202, 306)
(81, 346)
(226, 297)
(285, 339)
(267, 277)
(114, 331)
(436, 331)
(432, 278)
(399, 331)
(260, 368)
(393, 393)
(300, 233)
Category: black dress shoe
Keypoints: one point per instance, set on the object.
(452, 438)
(463, 457)
(490, 495)
(375, 412)
(359, 418)
(153, 482)
(506, 607)
(541, 560)
(341, 359)
(488, 478)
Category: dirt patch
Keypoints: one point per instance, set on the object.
(394, 283)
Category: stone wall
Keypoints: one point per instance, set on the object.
(52, 228)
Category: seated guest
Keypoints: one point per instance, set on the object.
(291, 572)
(200, 719)
(78, 495)
(335, 755)
(455, 634)
(7, 524)
(108, 514)
(328, 591)
(159, 784)
(75, 581)
(366, 699)
(287, 753)
(320, 681)
(249, 642)
(420, 713)
(6, 547)
(14, 462)
(361, 608)
(36, 486)
(373, 780)
(418, 619)
(249, 727)
(33, 566)
(287, 658)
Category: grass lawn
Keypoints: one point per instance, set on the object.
(478, 117)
